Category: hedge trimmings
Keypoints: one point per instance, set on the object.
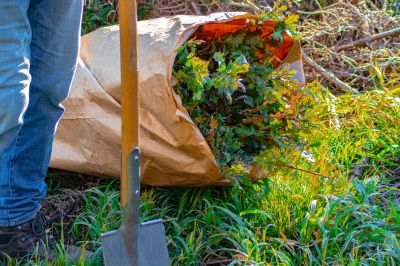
(233, 93)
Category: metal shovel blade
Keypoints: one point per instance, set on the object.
(135, 243)
(152, 246)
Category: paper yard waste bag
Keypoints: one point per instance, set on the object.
(173, 151)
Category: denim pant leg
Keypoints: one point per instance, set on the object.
(15, 38)
(54, 46)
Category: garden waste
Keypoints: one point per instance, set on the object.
(174, 104)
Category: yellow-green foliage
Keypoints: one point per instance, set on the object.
(306, 212)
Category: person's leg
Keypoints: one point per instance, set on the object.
(45, 35)
(15, 38)
(55, 27)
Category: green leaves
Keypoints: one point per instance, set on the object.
(231, 82)
(240, 103)
(228, 76)
(291, 21)
(278, 32)
(194, 73)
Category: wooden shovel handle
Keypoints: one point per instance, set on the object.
(130, 86)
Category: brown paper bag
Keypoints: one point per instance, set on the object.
(173, 151)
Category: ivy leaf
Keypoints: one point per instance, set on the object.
(219, 57)
(249, 101)
(228, 157)
(278, 35)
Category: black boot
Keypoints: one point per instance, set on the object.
(25, 239)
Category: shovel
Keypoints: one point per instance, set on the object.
(134, 243)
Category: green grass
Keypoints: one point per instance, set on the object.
(291, 218)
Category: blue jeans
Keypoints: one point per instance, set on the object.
(39, 44)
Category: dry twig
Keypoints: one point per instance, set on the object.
(195, 8)
(351, 24)
(393, 32)
(328, 75)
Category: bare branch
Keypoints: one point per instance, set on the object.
(328, 75)
(195, 9)
(372, 38)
